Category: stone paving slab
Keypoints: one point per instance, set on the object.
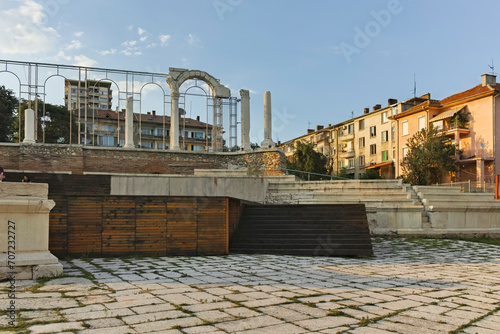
(410, 286)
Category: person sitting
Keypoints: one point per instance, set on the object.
(26, 179)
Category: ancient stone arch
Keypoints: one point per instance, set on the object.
(176, 77)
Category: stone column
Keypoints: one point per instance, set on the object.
(24, 222)
(268, 122)
(29, 126)
(174, 121)
(245, 120)
(129, 124)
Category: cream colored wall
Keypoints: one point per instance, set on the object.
(403, 140)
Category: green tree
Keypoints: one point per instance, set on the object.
(306, 159)
(431, 155)
(56, 124)
(8, 106)
(371, 174)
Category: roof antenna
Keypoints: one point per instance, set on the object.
(492, 67)
(308, 124)
(352, 114)
(414, 86)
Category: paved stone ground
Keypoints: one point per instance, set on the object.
(410, 286)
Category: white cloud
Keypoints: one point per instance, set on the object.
(78, 34)
(24, 30)
(192, 40)
(129, 43)
(126, 52)
(152, 45)
(143, 38)
(130, 27)
(141, 31)
(61, 55)
(84, 61)
(164, 39)
(107, 52)
(74, 45)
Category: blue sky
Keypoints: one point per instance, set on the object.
(320, 59)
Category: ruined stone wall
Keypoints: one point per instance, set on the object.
(78, 159)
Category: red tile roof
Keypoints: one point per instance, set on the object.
(479, 89)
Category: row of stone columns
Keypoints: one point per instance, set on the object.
(29, 135)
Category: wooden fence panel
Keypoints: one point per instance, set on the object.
(212, 225)
(58, 226)
(84, 225)
(118, 225)
(182, 224)
(151, 225)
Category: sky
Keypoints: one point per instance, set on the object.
(322, 60)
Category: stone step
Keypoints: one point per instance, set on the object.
(436, 189)
(459, 196)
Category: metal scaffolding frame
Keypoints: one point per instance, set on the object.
(33, 85)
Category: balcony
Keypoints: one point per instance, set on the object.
(347, 154)
(347, 137)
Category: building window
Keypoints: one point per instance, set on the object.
(384, 117)
(198, 148)
(147, 144)
(361, 160)
(107, 128)
(385, 155)
(159, 132)
(405, 153)
(361, 124)
(341, 164)
(73, 90)
(350, 128)
(393, 133)
(159, 145)
(373, 149)
(108, 141)
(197, 135)
(404, 128)
(421, 123)
(146, 131)
(361, 142)
(350, 163)
(373, 131)
(385, 136)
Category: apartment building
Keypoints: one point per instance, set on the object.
(365, 142)
(90, 93)
(152, 131)
(472, 121)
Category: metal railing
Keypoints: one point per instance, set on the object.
(471, 186)
(287, 171)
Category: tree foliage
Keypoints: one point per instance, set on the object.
(8, 106)
(306, 159)
(371, 174)
(56, 124)
(431, 155)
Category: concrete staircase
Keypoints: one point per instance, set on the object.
(418, 201)
(312, 230)
(368, 192)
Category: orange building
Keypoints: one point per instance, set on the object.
(471, 118)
